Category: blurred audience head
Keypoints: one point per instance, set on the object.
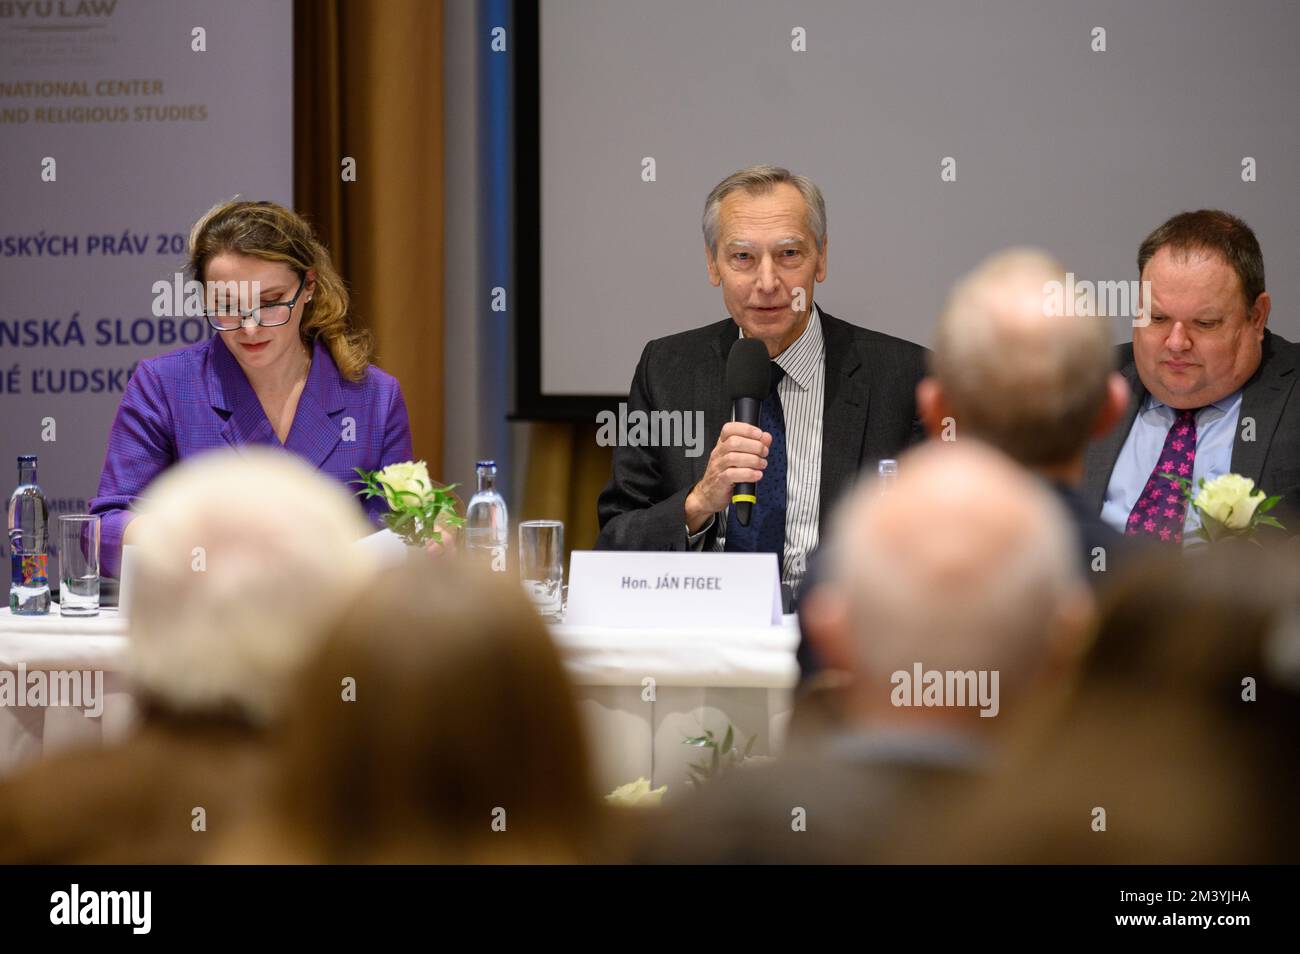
(965, 565)
(1178, 745)
(1013, 371)
(437, 725)
(246, 558)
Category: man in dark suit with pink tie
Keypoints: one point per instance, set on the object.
(1214, 391)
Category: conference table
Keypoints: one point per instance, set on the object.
(641, 692)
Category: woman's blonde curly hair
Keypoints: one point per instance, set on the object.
(275, 234)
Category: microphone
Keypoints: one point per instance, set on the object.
(749, 379)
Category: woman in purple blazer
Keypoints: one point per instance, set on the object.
(291, 373)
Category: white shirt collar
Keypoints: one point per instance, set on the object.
(1224, 404)
(800, 360)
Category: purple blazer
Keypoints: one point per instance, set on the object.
(198, 398)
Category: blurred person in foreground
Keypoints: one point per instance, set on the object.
(1036, 385)
(1178, 746)
(246, 559)
(965, 568)
(436, 726)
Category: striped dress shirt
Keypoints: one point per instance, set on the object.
(802, 390)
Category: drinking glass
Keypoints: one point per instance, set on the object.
(541, 564)
(79, 565)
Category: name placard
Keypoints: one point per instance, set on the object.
(627, 589)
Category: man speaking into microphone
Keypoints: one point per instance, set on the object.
(832, 398)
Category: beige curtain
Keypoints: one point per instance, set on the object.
(368, 85)
(566, 471)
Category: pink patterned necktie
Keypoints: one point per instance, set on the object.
(1162, 508)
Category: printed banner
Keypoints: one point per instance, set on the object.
(121, 122)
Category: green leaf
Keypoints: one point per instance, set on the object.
(749, 746)
(1214, 531)
(1268, 504)
(728, 739)
(699, 741)
(1269, 522)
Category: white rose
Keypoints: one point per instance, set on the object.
(409, 476)
(1230, 500)
(636, 794)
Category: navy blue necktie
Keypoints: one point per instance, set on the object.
(766, 530)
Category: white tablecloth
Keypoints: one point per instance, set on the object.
(55, 643)
(640, 691)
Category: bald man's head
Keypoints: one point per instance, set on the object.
(1010, 372)
(966, 563)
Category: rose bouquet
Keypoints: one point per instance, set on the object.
(419, 510)
(637, 794)
(1229, 506)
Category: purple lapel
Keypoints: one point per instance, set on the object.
(314, 433)
(229, 391)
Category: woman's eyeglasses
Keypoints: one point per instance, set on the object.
(269, 315)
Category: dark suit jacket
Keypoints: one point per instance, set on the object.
(870, 413)
(1121, 551)
(1272, 459)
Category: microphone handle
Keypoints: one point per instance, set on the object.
(744, 496)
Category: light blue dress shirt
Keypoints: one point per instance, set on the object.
(1216, 428)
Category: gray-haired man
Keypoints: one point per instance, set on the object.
(843, 396)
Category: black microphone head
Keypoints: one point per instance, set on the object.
(749, 370)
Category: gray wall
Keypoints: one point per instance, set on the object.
(1077, 151)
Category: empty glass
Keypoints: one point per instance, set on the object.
(541, 564)
(79, 565)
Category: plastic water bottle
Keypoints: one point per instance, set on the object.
(29, 517)
(487, 526)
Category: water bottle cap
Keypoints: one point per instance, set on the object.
(26, 458)
(486, 463)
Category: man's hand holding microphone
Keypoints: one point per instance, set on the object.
(738, 460)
